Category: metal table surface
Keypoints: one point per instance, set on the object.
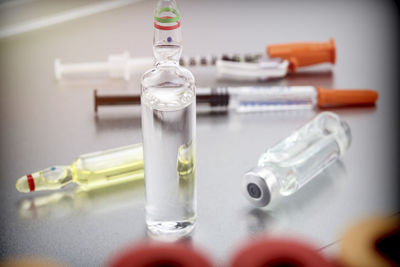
(45, 122)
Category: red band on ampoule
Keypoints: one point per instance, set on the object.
(31, 182)
(167, 28)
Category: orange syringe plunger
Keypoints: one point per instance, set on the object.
(304, 54)
(337, 97)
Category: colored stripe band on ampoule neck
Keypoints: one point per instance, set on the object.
(167, 19)
(167, 28)
(31, 182)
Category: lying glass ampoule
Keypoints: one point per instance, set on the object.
(60, 204)
(293, 162)
(89, 170)
(101, 169)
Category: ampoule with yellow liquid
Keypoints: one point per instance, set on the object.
(90, 170)
(104, 168)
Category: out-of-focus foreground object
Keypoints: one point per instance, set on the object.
(31, 262)
(160, 255)
(374, 242)
(273, 252)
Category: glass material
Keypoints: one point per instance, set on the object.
(169, 125)
(293, 162)
(97, 169)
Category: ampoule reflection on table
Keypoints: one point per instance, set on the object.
(102, 198)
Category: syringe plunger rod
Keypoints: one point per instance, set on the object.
(117, 66)
(122, 65)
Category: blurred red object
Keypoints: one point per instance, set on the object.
(273, 252)
(160, 255)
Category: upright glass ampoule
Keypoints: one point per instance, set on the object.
(293, 162)
(168, 102)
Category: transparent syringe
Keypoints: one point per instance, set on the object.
(279, 60)
(89, 171)
(260, 98)
(276, 98)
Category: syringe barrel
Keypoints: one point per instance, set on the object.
(85, 67)
(272, 98)
(257, 98)
(290, 164)
(116, 66)
(61, 69)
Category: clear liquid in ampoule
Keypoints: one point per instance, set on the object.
(168, 121)
(168, 128)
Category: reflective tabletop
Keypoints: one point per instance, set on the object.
(46, 122)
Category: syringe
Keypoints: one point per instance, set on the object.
(276, 63)
(123, 65)
(258, 99)
(89, 171)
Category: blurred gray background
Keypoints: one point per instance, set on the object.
(46, 122)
